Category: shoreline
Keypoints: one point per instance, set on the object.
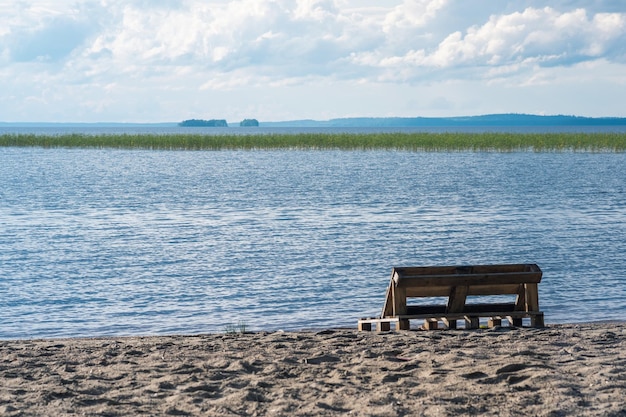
(563, 369)
(304, 330)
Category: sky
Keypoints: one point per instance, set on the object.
(148, 61)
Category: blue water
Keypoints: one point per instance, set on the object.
(110, 242)
(176, 130)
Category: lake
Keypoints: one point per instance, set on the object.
(136, 129)
(118, 242)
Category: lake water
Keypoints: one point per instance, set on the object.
(110, 242)
(176, 130)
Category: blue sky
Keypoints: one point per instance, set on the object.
(169, 60)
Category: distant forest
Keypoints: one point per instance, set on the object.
(203, 123)
(485, 120)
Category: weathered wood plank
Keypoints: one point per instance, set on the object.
(494, 321)
(449, 323)
(364, 326)
(458, 316)
(466, 269)
(468, 308)
(456, 300)
(537, 320)
(472, 322)
(399, 301)
(444, 291)
(532, 297)
(404, 324)
(520, 300)
(388, 306)
(469, 279)
(431, 324)
(383, 324)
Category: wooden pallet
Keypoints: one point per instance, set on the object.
(458, 284)
(450, 321)
(380, 325)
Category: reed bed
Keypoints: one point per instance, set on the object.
(422, 141)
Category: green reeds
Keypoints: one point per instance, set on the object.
(239, 328)
(422, 141)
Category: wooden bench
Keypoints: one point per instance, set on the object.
(457, 283)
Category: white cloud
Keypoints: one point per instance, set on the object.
(528, 38)
(112, 53)
(412, 14)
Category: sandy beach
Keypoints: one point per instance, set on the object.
(561, 370)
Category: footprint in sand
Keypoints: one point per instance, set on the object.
(474, 375)
(321, 359)
(514, 367)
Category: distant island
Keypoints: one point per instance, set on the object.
(249, 123)
(203, 123)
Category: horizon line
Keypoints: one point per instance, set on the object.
(327, 120)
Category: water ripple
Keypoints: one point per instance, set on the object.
(103, 242)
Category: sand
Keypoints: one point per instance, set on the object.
(561, 370)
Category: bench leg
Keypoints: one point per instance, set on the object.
(384, 326)
(494, 322)
(516, 322)
(450, 324)
(472, 322)
(403, 324)
(431, 324)
(537, 320)
(365, 327)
